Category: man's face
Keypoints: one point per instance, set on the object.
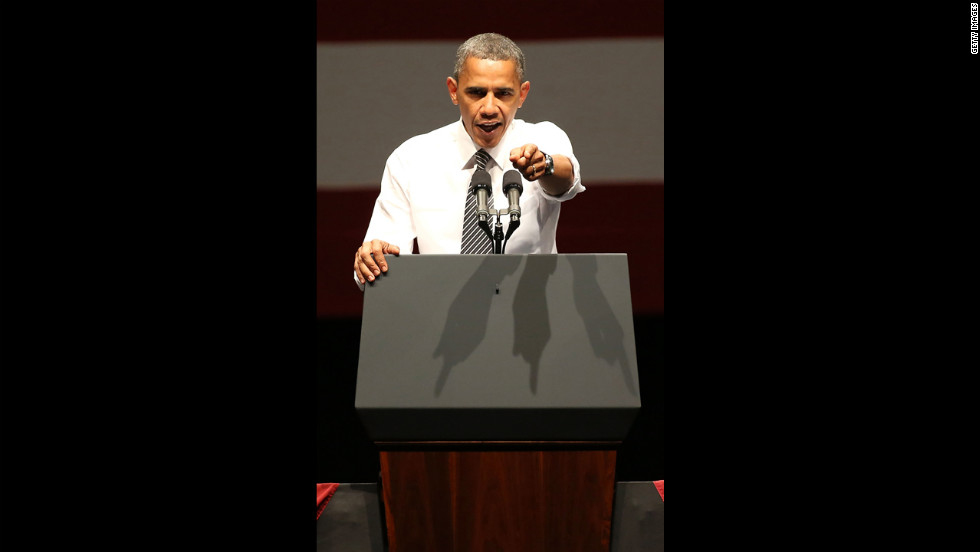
(488, 94)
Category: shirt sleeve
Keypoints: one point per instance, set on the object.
(553, 140)
(391, 220)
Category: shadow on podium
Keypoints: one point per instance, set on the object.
(346, 454)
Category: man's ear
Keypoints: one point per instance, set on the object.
(453, 87)
(525, 88)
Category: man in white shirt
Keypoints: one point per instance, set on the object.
(426, 180)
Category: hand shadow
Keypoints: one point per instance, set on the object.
(605, 332)
(532, 328)
(466, 321)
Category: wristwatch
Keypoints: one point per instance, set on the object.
(549, 167)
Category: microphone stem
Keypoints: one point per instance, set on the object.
(514, 223)
(498, 235)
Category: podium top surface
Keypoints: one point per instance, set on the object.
(499, 332)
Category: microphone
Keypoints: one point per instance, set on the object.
(513, 188)
(480, 184)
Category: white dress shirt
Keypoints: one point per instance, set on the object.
(425, 181)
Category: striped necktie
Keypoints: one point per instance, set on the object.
(475, 240)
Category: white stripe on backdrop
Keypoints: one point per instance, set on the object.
(607, 94)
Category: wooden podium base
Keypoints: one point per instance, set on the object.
(507, 496)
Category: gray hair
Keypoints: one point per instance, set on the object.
(489, 46)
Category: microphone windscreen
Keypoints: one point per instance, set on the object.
(512, 179)
(481, 179)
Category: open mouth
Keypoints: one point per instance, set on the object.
(488, 128)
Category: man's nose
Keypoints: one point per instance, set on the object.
(488, 106)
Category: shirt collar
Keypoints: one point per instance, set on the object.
(467, 147)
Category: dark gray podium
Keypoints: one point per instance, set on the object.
(497, 389)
